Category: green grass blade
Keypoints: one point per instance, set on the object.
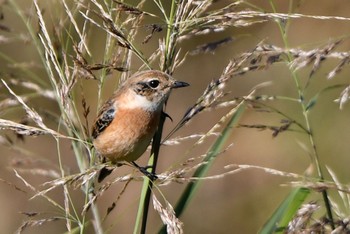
(285, 212)
(216, 148)
(142, 213)
(140, 210)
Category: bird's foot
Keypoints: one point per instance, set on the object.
(144, 171)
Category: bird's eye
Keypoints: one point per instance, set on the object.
(154, 84)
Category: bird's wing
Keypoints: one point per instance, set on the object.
(104, 118)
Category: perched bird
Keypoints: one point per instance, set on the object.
(127, 122)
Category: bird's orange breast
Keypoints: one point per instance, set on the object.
(128, 135)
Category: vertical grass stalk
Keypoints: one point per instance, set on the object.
(305, 112)
(146, 191)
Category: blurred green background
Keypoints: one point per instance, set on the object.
(238, 203)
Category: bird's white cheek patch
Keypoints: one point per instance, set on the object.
(139, 101)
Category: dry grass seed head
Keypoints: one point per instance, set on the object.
(167, 214)
(302, 218)
(35, 223)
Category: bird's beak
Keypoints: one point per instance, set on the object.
(179, 84)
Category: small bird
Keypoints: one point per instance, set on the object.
(127, 122)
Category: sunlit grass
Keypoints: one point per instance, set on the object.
(65, 43)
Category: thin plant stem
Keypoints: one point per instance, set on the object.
(146, 196)
(155, 152)
(34, 39)
(169, 35)
(303, 105)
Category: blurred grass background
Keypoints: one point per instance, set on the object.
(237, 203)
